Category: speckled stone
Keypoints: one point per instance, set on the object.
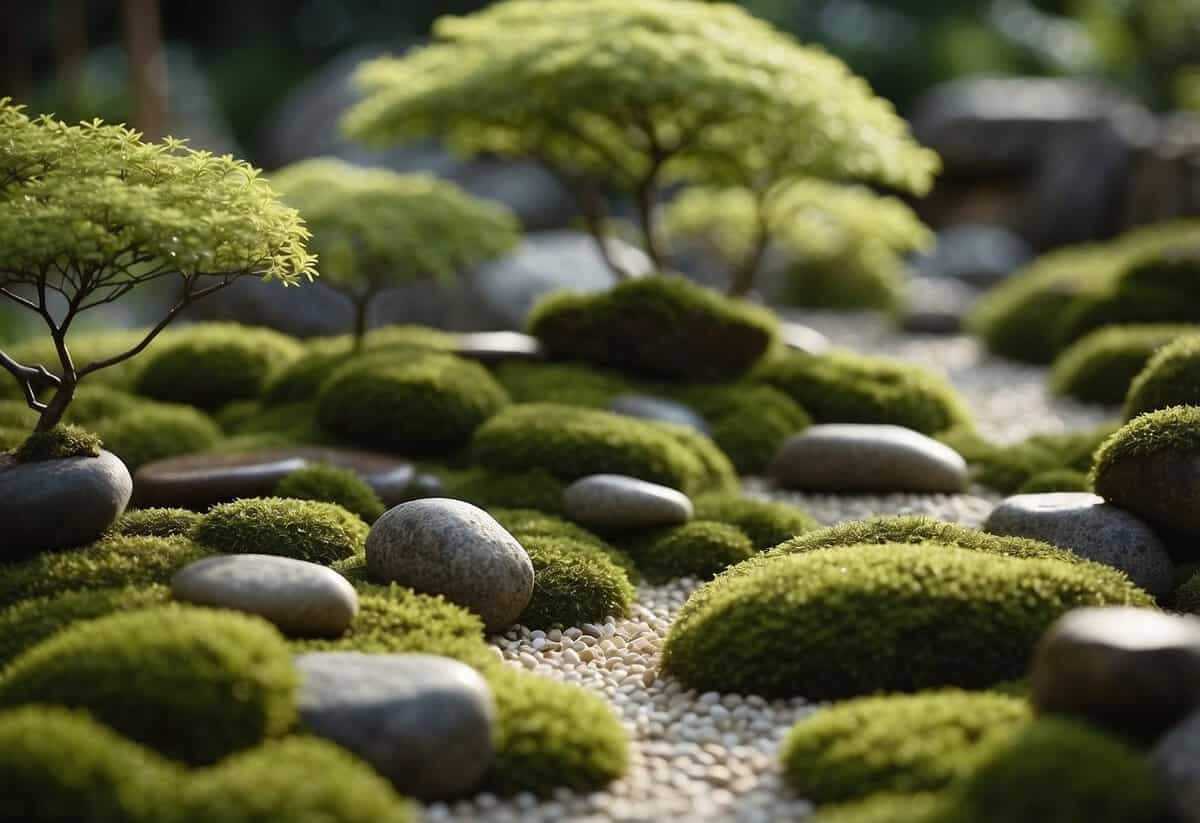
(449, 547)
(300, 598)
(660, 409)
(1176, 758)
(1090, 528)
(614, 501)
(424, 722)
(862, 457)
(498, 346)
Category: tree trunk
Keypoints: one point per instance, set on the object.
(646, 201)
(147, 65)
(743, 278)
(361, 306)
(58, 404)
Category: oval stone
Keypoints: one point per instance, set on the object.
(497, 346)
(614, 501)
(646, 407)
(449, 547)
(1176, 758)
(301, 598)
(1161, 486)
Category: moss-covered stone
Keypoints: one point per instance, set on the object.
(571, 384)
(303, 529)
(331, 484)
(534, 489)
(1186, 597)
(288, 423)
(157, 431)
(1099, 367)
(528, 523)
(662, 326)
(748, 421)
(195, 684)
(766, 522)
(885, 807)
(1171, 378)
(699, 548)
(156, 523)
(1008, 467)
(62, 441)
(574, 582)
(1056, 480)
(848, 621)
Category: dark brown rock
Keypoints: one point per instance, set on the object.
(1163, 487)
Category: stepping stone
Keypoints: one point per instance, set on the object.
(424, 722)
(497, 346)
(614, 501)
(1176, 758)
(867, 457)
(803, 338)
(658, 409)
(302, 599)
(1134, 671)
(449, 547)
(200, 481)
(1092, 529)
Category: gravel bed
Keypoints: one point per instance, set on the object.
(710, 757)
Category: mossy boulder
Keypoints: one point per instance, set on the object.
(1008, 467)
(157, 431)
(331, 484)
(885, 807)
(59, 443)
(1099, 367)
(195, 684)
(766, 522)
(1171, 378)
(302, 529)
(534, 489)
(700, 549)
(570, 384)
(748, 421)
(848, 621)
(532, 523)
(574, 582)
(157, 523)
(661, 326)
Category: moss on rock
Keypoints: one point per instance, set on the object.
(574, 582)
(528, 523)
(58, 443)
(885, 807)
(156, 523)
(303, 529)
(748, 421)
(157, 431)
(331, 484)
(1170, 378)
(766, 522)
(571, 384)
(1099, 367)
(699, 548)
(534, 489)
(1056, 480)
(1008, 467)
(1186, 597)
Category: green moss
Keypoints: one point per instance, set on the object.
(303, 529)
(849, 621)
(58, 443)
(1170, 378)
(111, 562)
(292, 423)
(663, 326)
(570, 442)
(232, 415)
(1008, 467)
(766, 522)
(332, 485)
(1173, 429)
(1056, 480)
(828, 287)
(87, 347)
(195, 684)
(419, 404)
(1186, 597)
(211, 364)
(718, 472)
(843, 387)
(156, 523)
(157, 431)
(699, 548)
(885, 808)
(93, 403)
(748, 421)
(16, 414)
(1099, 367)
(573, 583)
(572, 384)
(532, 523)
(897, 744)
(535, 489)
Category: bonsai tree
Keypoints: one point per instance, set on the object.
(373, 228)
(628, 95)
(89, 213)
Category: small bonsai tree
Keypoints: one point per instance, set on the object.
(89, 213)
(631, 94)
(374, 228)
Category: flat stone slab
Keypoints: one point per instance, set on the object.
(302, 599)
(615, 501)
(660, 409)
(497, 346)
(202, 480)
(1092, 529)
(422, 721)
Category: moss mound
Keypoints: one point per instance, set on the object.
(531, 523)
(100, 402)
(60, 442)
(157, 431)
(303, 529)
(1007, 468)
(1056, 480)
(843, 387)
(1170, 378)
(1186, 597)
(1174, 429)
(418, 404)
(1099, 367)
(699, 548)
(290, 423)
(902, 744)
(766, 522)
(885, 808)
(570, 442)
(85, 348)
(571, 384)
(748, 421)
(211, 364)
(573, 582)
(194, 684)
(535, 489)
(156, 523)
(331, 484)
(663, 326)
(849, 621)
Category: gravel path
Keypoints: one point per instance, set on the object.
(708, 757)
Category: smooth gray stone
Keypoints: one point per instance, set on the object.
(301, 598)
(657, 408)
(867, 457)
(498, 346)
(614, 501)
(422, 721)
(1135, 671)
(56, 504)
(449, 547)
(1092, 529)
(803, 338)
(977, 253)
(1176, 758)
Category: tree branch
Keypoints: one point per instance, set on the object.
(27, 376)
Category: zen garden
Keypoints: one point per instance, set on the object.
(609, 410)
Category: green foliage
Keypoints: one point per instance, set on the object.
(60, 442)
(86, 347)
(531, 523)
(332, 485)
(570, 442)
(766, 522)
(1173, 429)
(534, 489)
(1056, 480)
(1186, 597)
(902, 744)
(1171, 378)
(426, 404)
(157, 431)
(211, 364)
(100, 402)
(884, 808)
(574, 582)
(849, 621)
(661, 326)
(749, 421)
(1009, 467)
(290, 423)
(571, 384)
(304, 529)
(843, 387)
(156, 523)
(699, 548)
(1099, 367)
(195, 684)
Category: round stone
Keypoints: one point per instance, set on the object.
(1135, 671)
(867, 457)
(614, 501)
(422, 721)
(449, 547)
(647, 407)
(301, 598)
(498, 346)
(803, 338)
(1161, 486)
(57, 504)
(1176, 758)
(1090, 528)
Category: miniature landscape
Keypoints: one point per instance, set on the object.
(750, 538)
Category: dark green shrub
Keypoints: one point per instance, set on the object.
(156, 523)
(1008, 467)
(848, 621)
(843, 387)
(748, 421)
(303, 529)
(1099, 367)
(766, 522)
(332, 485)
(420, 404)
(902, 744)
(573, 582)
(1056, 480)
(212, 364)
(62, 441)
(532, 523)
(699, 548)
(195, 684)
(663, 326)
(534, 489)
(157, 431)
(1171, 378)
